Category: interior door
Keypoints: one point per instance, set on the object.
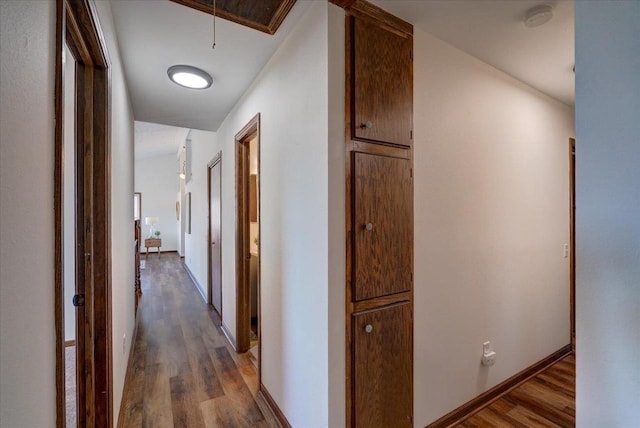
(215, 227)
(383, 232)
(383, 395)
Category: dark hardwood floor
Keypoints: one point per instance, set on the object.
(184, 372)
(547, 400)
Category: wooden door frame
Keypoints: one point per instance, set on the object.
(77, 23)
(243, 255)
(572, 240)
(217, 159)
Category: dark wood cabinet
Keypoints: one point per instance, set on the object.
(379, 217)
(383, 367)
(383, 230)
(382, 83)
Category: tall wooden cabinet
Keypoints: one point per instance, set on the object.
(379, 201)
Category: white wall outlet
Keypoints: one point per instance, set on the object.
(566, 250)
(488, 356)
(489, 359)
(124, 342)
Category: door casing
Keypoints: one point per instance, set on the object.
(77, 23)
(572, 239)
(243, 255)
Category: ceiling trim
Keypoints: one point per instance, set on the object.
(369, 10)
(278, 16)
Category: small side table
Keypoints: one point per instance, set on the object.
(152, 242)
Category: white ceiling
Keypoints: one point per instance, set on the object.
(494, 32)
(156, 34)
(152, 139)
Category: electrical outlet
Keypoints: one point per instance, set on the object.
(566, 250)
(124, 342)
(488, 356)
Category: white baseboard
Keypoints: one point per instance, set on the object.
(195, 282)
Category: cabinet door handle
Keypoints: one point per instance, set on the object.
(368, 227)
(366, 124)
(368, 328)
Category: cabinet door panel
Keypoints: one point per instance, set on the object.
(383, 84)
(383, 387)
(383, 226)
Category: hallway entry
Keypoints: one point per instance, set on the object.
(214, 290)
(248, 317)
(184, 371)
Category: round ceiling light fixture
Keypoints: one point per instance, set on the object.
(189, 77)
(538, 15)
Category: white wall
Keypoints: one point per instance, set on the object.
(158, 181)
(291, 96)
(204, 148)
(491, 219)
(27, 335)
(608, 213)
(122, 242)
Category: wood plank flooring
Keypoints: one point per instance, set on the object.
(184, 371)
(547, 400)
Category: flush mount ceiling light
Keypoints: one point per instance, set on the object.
(189, 77)
(538, 15)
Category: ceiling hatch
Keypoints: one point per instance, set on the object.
(263, 15)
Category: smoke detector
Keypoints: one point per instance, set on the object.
(538, 15)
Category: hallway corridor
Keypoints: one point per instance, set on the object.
(184, 372)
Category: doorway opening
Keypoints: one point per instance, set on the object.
(248, 316)
(82, 201)
(214, 180)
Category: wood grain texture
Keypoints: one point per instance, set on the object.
(383, 199)
(486, 399)
(263, 15)
(382, 84)
(364, 9)
(382, 22)
(378, 302)
(383, 367)
(545, 400)
(58, 216)
(183, 371)
(572, 239)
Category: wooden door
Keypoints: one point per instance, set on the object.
(382, 84)
(383, 229)
(383, 367)
(215, 254)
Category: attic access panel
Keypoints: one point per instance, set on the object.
(262, 15)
